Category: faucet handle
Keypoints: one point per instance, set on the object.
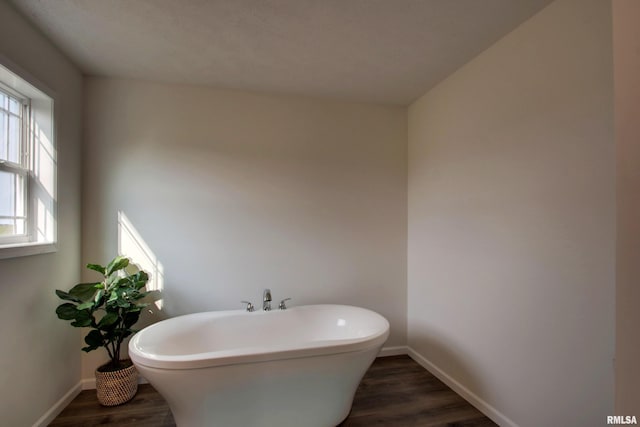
(249, 305)
(282, 305)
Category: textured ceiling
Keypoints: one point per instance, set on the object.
(388, 51)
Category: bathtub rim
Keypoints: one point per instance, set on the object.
(256, 354)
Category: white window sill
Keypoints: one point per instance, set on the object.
(16, 250)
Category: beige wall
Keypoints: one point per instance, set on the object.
(626, 45)
(512, 221)
(39, 354)
(511, 213)
(236, 192)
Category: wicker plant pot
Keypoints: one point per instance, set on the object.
(116, 387)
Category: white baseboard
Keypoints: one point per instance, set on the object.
(90, 383)
(57, 407)
(393, 351)
(475, 400)
(463, 391)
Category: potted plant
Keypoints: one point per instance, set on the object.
(109, 308)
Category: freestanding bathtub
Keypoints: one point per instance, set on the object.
(298, 367)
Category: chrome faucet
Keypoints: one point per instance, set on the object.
(283, 304)
(266, 300)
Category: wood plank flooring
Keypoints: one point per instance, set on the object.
(395, 392)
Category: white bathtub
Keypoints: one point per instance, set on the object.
(298, 367)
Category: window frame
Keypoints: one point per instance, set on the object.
(38, 133)
(23, 169)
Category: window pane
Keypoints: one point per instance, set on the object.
(7, 194)
(12, 204)
(4, 127)
(6, 227)
(20, 227)
(14, 139)
(3, 101)
(10, 227)
(14, 106)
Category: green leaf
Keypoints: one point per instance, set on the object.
(96, 267)
(113, 296)
(85, 305)
(97, 299)
(123, 283)
(140, 279)
(131, 318)
(138, 296)
(83, 319)
(65, 296)
(111, 280)
(84, 291)
(123, 302)
(67, 311)
(108, 320)
(118, 263)
(94, 339)
(110, 335)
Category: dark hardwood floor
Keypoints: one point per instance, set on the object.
(395, 392)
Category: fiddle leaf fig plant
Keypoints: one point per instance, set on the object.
(109, 307)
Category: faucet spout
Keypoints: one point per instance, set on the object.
(266, 300)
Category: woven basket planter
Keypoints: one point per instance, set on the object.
(116, 387)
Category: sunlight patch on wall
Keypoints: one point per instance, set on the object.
(44, 169)
(132, 245)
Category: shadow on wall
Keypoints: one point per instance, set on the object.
(132, 245)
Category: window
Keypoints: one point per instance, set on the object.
(27, 168)
(14, 170)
